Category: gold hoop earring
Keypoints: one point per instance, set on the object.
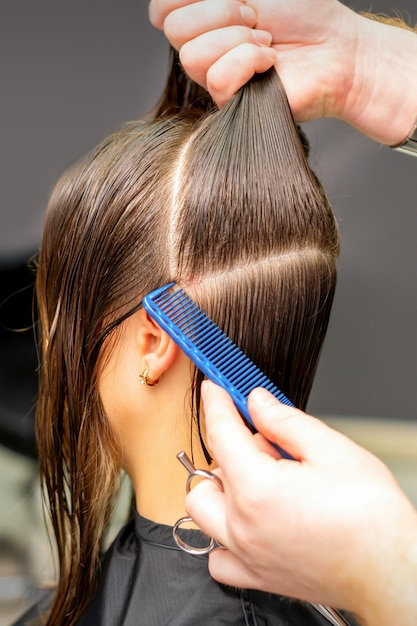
(144, 380)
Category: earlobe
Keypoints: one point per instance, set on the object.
(145, 380)
(157, 350)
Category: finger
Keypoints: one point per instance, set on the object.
(263, 445)
(235, 68)
(301, 435)
(200, 54)
(227, 568)
(196, 19)
(205, 504)
(229, 440)
(159, 9)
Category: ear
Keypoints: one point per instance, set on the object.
(156, 348)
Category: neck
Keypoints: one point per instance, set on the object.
(164, 430)
(159, 479)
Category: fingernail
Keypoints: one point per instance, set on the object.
(248, 15)
(263, 398)
(262, 37)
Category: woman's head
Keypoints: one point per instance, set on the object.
(103, 248)
(226, 205)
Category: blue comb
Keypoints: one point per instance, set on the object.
(210, 349)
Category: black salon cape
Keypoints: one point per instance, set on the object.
(146, 580)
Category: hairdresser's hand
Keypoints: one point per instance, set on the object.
(332, 527)
(333, 62)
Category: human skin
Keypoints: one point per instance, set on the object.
(150, 424)
(331, 527)
(332, 61)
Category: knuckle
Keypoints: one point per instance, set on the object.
(173, 30)
(154, 14)
(187, 57)
(230, 13)
(193, 64)
(218, 87)
(234, 13)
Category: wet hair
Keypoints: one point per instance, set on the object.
(221, 201)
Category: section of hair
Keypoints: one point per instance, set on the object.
(104, 246)
(256, 241)
(397, 20)
(181, 94)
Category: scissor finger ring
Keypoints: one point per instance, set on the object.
(186, 546)
(192, 473)
(203, 474)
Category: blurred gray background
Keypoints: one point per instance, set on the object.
(72, 72)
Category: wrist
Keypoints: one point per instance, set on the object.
(381, 100)
(390, 589)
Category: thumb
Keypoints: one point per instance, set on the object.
(302, 436)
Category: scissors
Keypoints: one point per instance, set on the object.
(332, 616)
(192, 473)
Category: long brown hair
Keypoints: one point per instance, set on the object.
(222, 202)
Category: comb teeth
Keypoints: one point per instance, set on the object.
(210, 349)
